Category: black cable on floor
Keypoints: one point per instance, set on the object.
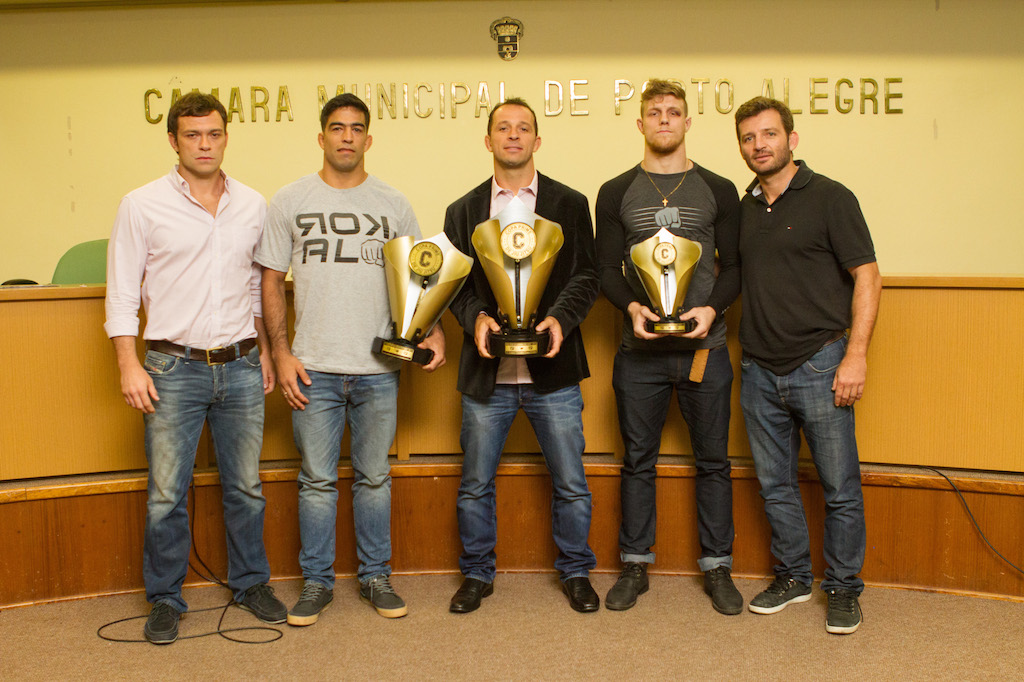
(213, 578)
(222, 631)
(973, 520)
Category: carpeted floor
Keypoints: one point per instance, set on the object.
(526, 630)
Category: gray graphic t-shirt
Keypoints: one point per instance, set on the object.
(333, 239)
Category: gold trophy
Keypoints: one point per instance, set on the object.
(423, 278)
(665, 264)
(517, 250)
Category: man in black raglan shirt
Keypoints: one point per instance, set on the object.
(668, 190)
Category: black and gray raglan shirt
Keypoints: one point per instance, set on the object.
(704, 209)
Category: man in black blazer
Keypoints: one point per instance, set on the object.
(546, 388)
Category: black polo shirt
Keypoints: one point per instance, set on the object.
(795, 258)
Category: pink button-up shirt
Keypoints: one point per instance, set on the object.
(513, 370)
(192, 271)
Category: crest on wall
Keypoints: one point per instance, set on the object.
(507, 31)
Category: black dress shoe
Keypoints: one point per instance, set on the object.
(581, 595)
(469, 595)
(631, 584)
(725, 598)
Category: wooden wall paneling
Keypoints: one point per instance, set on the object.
(90, 541)
(945, 380)
(925, 538)
(430, 413)
(62, 408)
(22, 573)
(278, 443)
(602, 332)
(71, 546)
(953, 396)
(424, 523)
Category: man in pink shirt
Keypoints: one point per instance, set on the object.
(183, 247)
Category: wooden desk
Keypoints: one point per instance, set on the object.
(945, 385)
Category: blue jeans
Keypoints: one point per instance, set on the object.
(230, 398)
(775, 409)
(557, 420)
(643, 383)
(368, 403)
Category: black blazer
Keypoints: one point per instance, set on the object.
(568, 297)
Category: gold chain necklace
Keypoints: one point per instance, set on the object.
(664, 197)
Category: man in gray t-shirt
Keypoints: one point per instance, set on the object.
(329, 228)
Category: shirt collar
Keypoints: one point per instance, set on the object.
(798, 181)
(181, 184)
(531, 188)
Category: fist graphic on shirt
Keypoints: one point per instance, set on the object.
(668, 218)
(373, 252)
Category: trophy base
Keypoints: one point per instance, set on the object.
(403, 350)
(519, 344)
(670, 326)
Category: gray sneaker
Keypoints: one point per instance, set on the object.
(377, 591)
(844, 615)
(261, 601)
(783, 591)
(314, 599)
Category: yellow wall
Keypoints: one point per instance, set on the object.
(935, 182)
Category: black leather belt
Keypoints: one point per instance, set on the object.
(212, 356)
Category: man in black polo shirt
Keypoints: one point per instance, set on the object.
(810, 297)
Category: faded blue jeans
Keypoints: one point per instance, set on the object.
(230, 398)
(776, 408)
(368, 403)
(557, 421)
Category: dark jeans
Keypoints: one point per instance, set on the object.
(643, 383)
(776, 408)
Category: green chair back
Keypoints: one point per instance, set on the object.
(84, 263)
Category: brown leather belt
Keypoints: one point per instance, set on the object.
(212, 356)
(699, 364)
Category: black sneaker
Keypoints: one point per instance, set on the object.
(631, 584)
(844, 614)
(784, 590)
(261, 602)
(378, 592)
(724, 595)
(314, 599)
(162, 624)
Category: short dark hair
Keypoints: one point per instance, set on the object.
(519, 102)
(659, 86)
(755, 106)
(347, 100)
(194, 104)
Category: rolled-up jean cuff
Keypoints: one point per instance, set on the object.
(707, 563)
(637, 558)
(575, 574)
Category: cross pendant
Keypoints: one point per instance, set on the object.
(664, 202)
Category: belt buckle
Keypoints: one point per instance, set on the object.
(211, 351)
